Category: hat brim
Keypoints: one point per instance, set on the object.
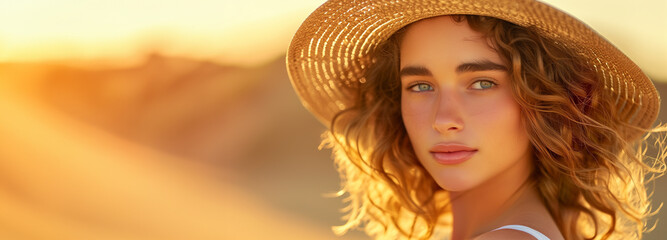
(329, 52)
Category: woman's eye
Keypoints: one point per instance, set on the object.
(421, 87)
(483, 84)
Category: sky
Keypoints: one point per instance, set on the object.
(250, 32)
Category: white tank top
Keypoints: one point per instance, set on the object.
(525, 229)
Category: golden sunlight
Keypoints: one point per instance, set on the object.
(243, 32)
(175, 119)
(247, 32)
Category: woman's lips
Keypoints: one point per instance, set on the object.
(449, 158)
(448, 153)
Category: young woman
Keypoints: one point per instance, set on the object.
(478, 120)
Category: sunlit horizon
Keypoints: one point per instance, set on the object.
(247, 32)
(231, 32)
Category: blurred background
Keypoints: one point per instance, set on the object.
(176, 119)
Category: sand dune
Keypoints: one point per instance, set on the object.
(242, 126)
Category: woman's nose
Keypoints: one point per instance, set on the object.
(448, 116)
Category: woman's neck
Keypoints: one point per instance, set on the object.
(476, 210)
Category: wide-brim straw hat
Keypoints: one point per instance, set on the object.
(330, 51)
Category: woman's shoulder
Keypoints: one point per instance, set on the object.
(505, 234)
(527, 218)
(519, 232)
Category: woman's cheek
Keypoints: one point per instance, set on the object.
(415, 107)
(497, 116)
(416, 115)
(489, 105)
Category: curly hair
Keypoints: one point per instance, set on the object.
(591, 179)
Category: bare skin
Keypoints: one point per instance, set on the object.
(527, 210)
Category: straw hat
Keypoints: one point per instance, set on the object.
(329, 52)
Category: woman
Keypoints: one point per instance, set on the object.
(478, 120)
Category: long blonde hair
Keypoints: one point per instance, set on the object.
(591, 179)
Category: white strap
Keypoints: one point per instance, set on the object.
(525, 229)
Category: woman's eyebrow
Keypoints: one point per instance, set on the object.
(482, 65)
(415, 71)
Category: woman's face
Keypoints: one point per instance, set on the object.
(457, 105)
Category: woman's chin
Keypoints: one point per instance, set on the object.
(456, 184)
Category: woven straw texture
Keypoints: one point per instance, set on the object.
(329, 52)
